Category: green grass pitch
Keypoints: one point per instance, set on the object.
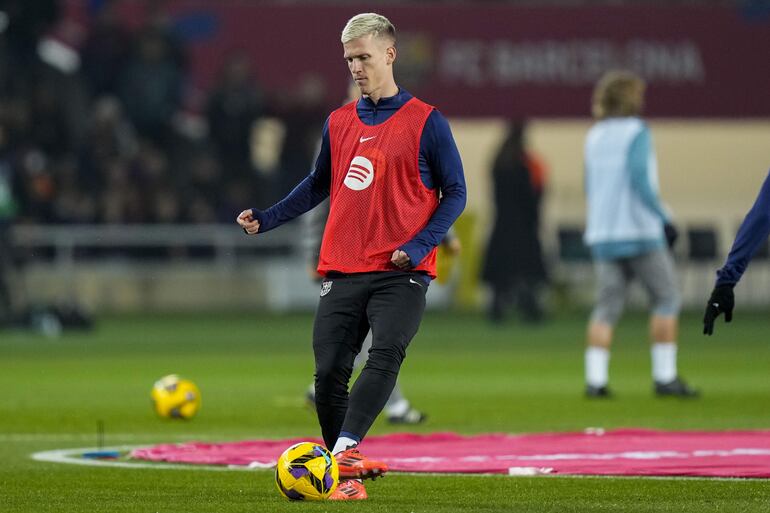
(469, 376)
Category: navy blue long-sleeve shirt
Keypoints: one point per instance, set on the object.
(753, 231)
(439, 162)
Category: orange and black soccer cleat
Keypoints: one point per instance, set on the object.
(354, 465)
(349, 490)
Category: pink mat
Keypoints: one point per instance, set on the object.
(626, 452)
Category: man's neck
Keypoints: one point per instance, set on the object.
(387, 91)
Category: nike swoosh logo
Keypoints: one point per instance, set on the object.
(415, 282)
(364, 139)
(715, 305)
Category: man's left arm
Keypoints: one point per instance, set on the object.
(753, 231)
(440, 164)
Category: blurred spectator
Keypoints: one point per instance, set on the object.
(162, 24)
(28, 21)
(303, 117)
(233, 107)
(72, 203)
(203, 193)
(14, 122)
(37, 187)
(151, 169)
(101, 143)
(109, 136)
(166, 207)
(122, 200)
(150, 87)
(106, 51)
(50, 126)
(514, 265)
(8, 208)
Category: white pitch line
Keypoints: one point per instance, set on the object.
(72, 456)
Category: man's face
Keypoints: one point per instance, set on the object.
(370, 61)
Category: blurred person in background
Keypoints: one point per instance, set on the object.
(73, 203)
(204, 188)
(514, 266)
(150, 86)
(106, 50)
(752, 233)
(27, 21)
(627, 231)
(304, 110)
(121, 201)
(234, 105)
(379, 245)
(109, 135)
(8, 209)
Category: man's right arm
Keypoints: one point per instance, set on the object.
(310, 192)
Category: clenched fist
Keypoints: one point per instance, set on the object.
(247, 222)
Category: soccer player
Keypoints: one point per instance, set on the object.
(385, 160)
(753, 231)
(627, 230)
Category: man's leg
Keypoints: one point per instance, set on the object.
(501, 292)
(339, 329)
(395, 307)
(359, 362)
(363, 355)
(527, 301)
(610, 297)
(395, 310)
(397, 409)
(663, 347)
(657, 273)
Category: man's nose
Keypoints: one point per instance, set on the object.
(355, 65)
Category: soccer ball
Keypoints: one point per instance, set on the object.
(175, 397)
(306, 471)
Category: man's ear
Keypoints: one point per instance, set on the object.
(390, 54)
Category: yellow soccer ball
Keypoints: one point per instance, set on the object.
(306, 471)
(176, 398)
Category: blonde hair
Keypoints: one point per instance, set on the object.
(367, 23)
(618, 94)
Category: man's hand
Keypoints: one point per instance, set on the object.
(401, 260)
(247, 222)
(672, 234)
(722, 300)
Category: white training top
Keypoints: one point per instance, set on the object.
(616, 212)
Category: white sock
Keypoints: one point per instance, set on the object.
(597, 366)
(343, 443)
(397, 409)
(663, 361)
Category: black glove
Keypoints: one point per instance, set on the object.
(722, 300)
(671, 234)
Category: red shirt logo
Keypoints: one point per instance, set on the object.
(360, 174)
